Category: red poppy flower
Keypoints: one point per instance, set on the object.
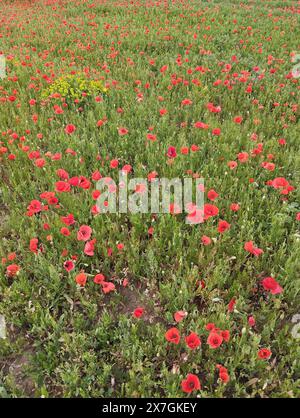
(212, 195)
(243, 157)
(238, 119)
(201, 125)
(234, 207)
(205, 240)
(249, 246)
(33, 245)
(195, 147)
(280, 183)
(232, 165)
(172, 335)
(216, 131)
(210, 326)
(214, 340)
(99, 278)
(271, 285)
(223, 374)
(68, 220)
(62, 186)
(114, 163)
(84, 233)
(138, 312)
(193, 341)
(210, 210)
(251, 321)
(69, 129)
(191, 383)
(35, 206)
(151, 137)
(186, 102)
(69, 265)
(122, 131)
(12, 270)
(264, 353)
(223, 226)
(171, 152)
(231, 305)
(89, 248)
(225, 335)
(108, 287)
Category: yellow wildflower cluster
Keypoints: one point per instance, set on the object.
(74, 87)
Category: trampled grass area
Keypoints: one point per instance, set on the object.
(147, 305)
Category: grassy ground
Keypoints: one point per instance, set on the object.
(64, 339)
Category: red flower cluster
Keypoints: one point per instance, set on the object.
(216, 336)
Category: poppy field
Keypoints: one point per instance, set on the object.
(99, 304)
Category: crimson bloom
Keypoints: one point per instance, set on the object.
(214, 340)
(249, 246)
(35, 206)
(172, 335)
(216, 131)
(210, 210)
(12, 270)
(99, 278)
(238, 119)
(212, 194)
(223, 226)
(69, 129)
(69, 265)
(108, 287)
(33, 245)
(223, 374)
(193, 341)
(205, 240)
(251, 321)
(122, 131)
(171, 152)
(89, 247)
(62, 186)
(201, 125)
(280, 183)
(264, 353)
(84, 233)
(191, 383)
(138, 312)
(231, 305)
(271, 285)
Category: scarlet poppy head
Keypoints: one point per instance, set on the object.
(264, 353)
(271, 285)
(122, 131)
(214, 340)
(191, 383)
(172, 335)
(69, 129)
(12, 270)
(138, 312)
(193, 341)
(171, 152)
(84, 233)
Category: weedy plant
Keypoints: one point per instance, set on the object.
(74, 88)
